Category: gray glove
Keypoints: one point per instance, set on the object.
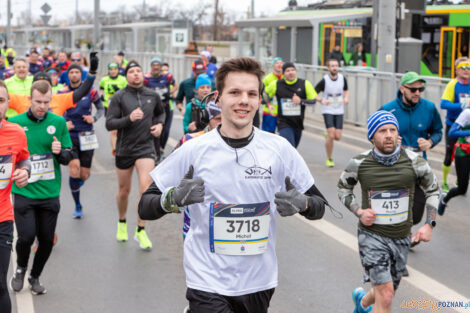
(190, 190)
(291, 201)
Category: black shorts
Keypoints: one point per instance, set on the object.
(203, 302)
(333, 120)
(85, 157)
(6, 234)
(125, 162)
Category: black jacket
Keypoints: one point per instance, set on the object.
(134, 138)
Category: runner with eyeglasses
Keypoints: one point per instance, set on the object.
(420, 127)
(236, 180)
(455, 96)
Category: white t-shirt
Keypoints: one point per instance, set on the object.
(335, 94)
(260, 172)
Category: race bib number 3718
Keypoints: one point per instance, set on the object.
(241, 229)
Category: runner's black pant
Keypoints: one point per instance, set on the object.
(203, 302)
(166, 129)
(35, 218)
(462, 168)
(6, 239)
(450, 142)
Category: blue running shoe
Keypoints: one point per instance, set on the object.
(357, 296)
(442, 205)
(78, 211)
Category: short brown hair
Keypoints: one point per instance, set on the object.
(240, 64)
(42, 86)
(329, 60)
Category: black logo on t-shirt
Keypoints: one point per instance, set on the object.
(258, 172)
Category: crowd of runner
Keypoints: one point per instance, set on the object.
(47, 120)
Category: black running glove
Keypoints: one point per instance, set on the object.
(94, 62)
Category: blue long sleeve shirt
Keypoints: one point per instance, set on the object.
(420, 121)
(450, 100)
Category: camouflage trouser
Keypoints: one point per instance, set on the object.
(384, 259)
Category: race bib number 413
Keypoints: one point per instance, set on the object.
(241, 229)
(391, 206)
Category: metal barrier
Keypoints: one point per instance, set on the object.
(369, 90)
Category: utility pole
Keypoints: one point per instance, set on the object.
(252, 8)
(77, 16)
(386, 35)
(8, 37)
(216, 15)
(96, 29)
(30, 13)
(373, 45)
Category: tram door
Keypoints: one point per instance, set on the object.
(454, 44)
(327, 41)
(332, 36)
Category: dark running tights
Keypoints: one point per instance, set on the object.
(462, 168)
(35, 218)
(5, 304)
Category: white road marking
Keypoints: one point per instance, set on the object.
(24, 298)
(417, 279)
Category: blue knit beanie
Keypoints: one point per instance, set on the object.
(201, 80)
(378, 119)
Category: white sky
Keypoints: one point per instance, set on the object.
(66, 8)
(63, 8)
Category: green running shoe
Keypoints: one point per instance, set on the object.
(122, 232)
(330, 162)
(445, 187)
(143, 240)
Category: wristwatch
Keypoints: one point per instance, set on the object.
(432, 223)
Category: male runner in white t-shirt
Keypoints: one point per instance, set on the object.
(235, 180)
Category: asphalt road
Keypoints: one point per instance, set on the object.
(89, 271)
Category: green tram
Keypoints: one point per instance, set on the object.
(443, 29)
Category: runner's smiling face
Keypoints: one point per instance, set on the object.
(463, 73)
(239, 102)
(385, 140)
(40, 103)
(113, 72)
(21, 69)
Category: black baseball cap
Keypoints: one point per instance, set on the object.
(42, 76)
